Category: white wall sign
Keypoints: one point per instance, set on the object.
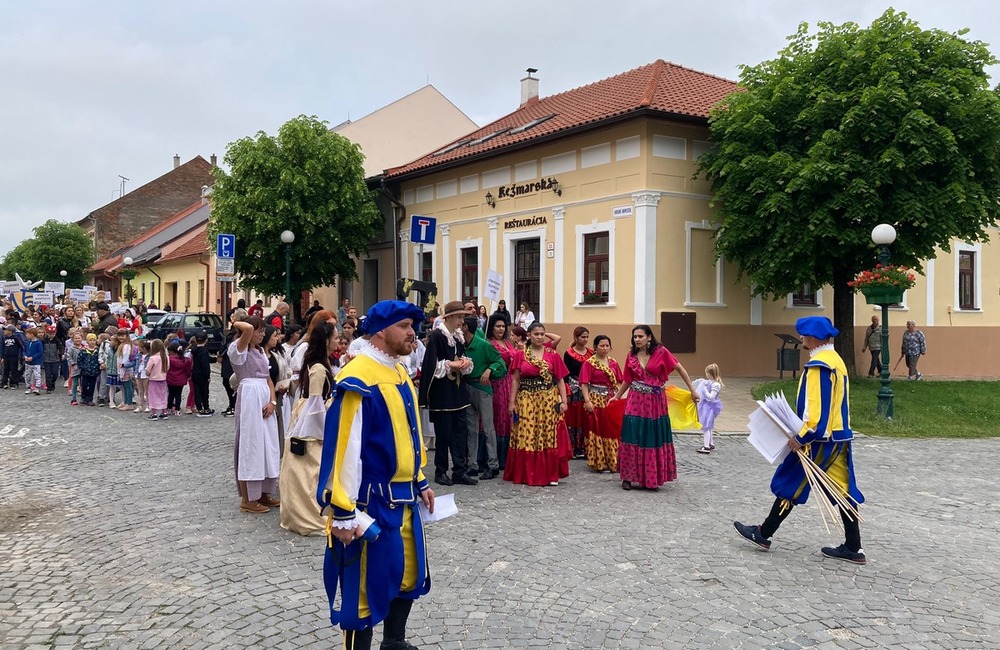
(225, 266)
(622, 211)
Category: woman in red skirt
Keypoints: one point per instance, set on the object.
(539, 441)
(600, 378)
(574, 358)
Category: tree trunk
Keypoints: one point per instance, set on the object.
(843, 319)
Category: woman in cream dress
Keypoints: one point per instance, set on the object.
(300, 468)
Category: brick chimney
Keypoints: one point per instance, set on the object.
(177, 160)
(213, 160)
(529, 88)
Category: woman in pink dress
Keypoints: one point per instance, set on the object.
(497, 331)
(646, 455)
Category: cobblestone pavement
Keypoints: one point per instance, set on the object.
(117, 532)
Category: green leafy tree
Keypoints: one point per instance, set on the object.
(18, 261)
(62, 247)
(846, 129)
(306, 179)
(55, 247)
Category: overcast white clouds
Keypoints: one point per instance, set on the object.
(94, 88)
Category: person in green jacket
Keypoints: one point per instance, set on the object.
(487, 365)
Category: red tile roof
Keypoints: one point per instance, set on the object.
(191, 244)
(657, 88)
(114, 260)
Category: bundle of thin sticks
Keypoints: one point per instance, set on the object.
(825, 488)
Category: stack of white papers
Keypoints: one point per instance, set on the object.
(771, 426)
(444, 507)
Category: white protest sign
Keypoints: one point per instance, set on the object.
(44, 298)
(79, 295)
(493, 283)
(8, 286)
(57, 288)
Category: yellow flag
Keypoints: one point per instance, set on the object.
(683, 412)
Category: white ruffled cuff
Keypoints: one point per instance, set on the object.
(345, 524)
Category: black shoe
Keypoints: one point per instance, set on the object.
(467, 480)
(443, 480)
(228, 413)
(752, 535)
(843, 553)
(472, 472)
(398, 645)
(490, 474)
(203, 414)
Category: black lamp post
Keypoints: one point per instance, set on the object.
(128, 274)
(883, 235)
(287, 237)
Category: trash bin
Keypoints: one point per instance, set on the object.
(789, 358)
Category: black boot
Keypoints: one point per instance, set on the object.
(394, 626)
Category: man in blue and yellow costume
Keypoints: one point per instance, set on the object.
(822, 403)
(370, 483)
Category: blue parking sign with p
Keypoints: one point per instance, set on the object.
(422, 229)
(225, 247)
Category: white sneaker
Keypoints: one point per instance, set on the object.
(138, 409)
(145, 410)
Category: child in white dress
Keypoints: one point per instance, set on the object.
(709, 406)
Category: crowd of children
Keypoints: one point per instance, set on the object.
(116, 368)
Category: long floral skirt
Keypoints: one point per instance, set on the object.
(501, 417)
(603, 436)
(539, 442)
(646, 456)
(576, 417)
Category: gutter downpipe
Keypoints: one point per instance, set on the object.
(159, 285)
(208, 285)
(396, 248)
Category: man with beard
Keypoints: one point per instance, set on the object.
(370, 481)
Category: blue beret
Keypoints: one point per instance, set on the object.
(389, 312)
(817, 326)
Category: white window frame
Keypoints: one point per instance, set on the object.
(689, 227)
(476, 243)
(428, 248)
(582, 231)
(790, 301)
(977, 274)
(509, 238)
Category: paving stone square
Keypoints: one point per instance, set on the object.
(118, 532)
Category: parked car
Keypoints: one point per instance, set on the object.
(153, 316)
(192, 324)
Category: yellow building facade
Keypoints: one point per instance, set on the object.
(607, 226)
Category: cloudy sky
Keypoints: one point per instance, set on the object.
(94, 89)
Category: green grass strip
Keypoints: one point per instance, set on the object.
(922, 409)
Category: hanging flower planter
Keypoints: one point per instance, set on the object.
(883, 285)
(593, 298)
(882, 295)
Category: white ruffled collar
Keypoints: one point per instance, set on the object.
(453, 338)
(386, 360)
(822, 348)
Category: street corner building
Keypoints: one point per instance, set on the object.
(589, 206)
